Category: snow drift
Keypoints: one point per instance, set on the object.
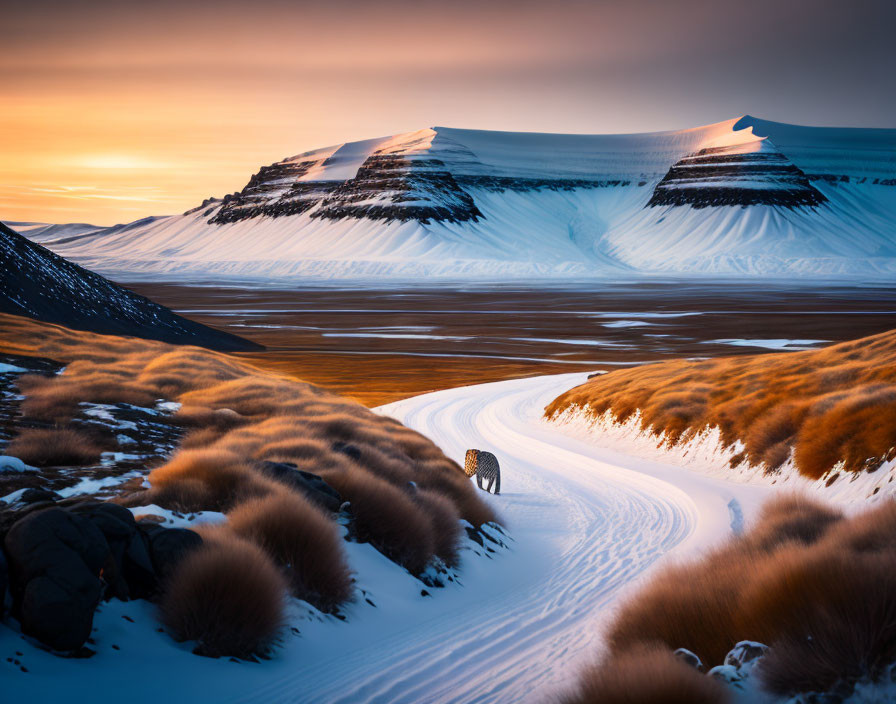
(740, 197)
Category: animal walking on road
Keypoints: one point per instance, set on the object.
(485, 466)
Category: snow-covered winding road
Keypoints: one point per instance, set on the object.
(586, 523)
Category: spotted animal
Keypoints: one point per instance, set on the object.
(485, 466)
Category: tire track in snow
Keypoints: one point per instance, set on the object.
(582, 529)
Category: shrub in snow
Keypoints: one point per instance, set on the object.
(204, 480)
(445, 523)
(46, 447)
(646, 675)
(57, 398)
(454, 485)
(303, 541)
(837, 619)
(387, 517)
(791, 517)
(228, 596)
(819, 588)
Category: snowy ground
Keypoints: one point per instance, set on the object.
(586, 523)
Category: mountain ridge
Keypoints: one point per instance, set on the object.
(742, 197)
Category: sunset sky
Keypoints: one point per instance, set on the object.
(116, 110)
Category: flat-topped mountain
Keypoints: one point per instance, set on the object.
(740, 197)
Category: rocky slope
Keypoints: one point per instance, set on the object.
(39, 284)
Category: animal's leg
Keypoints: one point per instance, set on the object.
(479, 480)
(498, 483)
(491, 480)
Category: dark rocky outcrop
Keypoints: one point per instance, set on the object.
(64, 559)
(129, 573)
(347, 449)
(400, 187)
(736, 176)
(523, 185)
(39, 284)
(56, 558)
(275, 191)
(168, 546)
(35, 495)
(311, 485)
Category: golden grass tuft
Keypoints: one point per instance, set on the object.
(303, 541)
(818, 588)
(823, 407)
(228, 596)
(56, 398)
(445, 524)
(53, 447)
(841, 627)
(387, 517)
(689, 606)
(792, 517)
(646, 675)
(203, 480)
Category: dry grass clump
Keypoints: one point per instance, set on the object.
(203, 480)
(227, 596)
(646, 675)
(827, 406)
(446, 478)
(303, 541)
(818, 588)
(53, 447)
(691, 606)
(387, 517)
(834, 616)
(843, 629)
(871, 531)
(791, 517)
(56, 398)
(255, 394)
(445, 523)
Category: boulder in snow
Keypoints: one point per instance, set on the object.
(36, 495)
(347, 449)
(168, 546)
(55, 559)
(745, 654)
(311, 485)
(130, 572)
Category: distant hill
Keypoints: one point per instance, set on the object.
(37, 283)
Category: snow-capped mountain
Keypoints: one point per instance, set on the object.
(39, 284)
(742, 197)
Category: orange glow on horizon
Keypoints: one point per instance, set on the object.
(113, 110)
